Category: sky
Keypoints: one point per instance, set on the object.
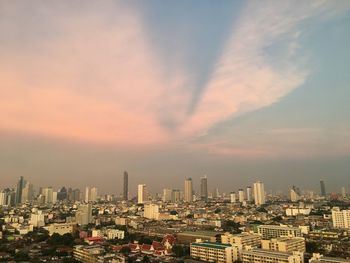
(238, 90)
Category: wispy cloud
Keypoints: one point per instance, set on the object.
(97, 78)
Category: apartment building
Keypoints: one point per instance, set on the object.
(273, 231)
(211, 252)
(284, 244)
(257, 255)
(244, 239)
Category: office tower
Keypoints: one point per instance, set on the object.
(151, 211)
(323, 188)
(93, 194)
(259, 193)
(125, 186)
(27, 192)
(204, 188)
(176, 196)
(341, 218)
(233, 197)
(62, 194)
(249, 194)
(343, 192)
(87, 194)
(83, 216)
(241, 195)
(47, 193)
(20, 186)
(294, 194)
(167, 195)
(76, 195)
(141, 194)
(188, 190)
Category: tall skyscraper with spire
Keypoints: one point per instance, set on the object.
(204, 188)
(125, 186)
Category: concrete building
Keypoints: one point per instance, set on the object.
(340, 218)
(141, 194)
(243, 239)
(83, 216)
(211, 252)
(272, 231)
(233, 197)
(284, 244)
(259, 193)
(241, 195)
(37, 219)
(188, 190)
(60, 229)
(167, 195)
(48, 195)
(175, 196)
(318, 258)
(88, 254)
(151, 211)
(249, 194)
(204, 188)
(257, 255)
(126, 186)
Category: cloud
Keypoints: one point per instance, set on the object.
(93, 76)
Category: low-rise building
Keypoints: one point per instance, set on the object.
(244, 239)
(273, 231)
(284, 244)
(212, 252)
(318, 258)
(257, 255)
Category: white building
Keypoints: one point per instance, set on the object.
(141, 194)
(167, 193)
(284, 244)
(233, 197)
(212, 252)
(188, 197)
(340, 218)
(241, 195)
(37, 219)
(115, 234)
(151, 211)
(60, 228)
(273, 231)
(259, 193)
(249, 194)
(257, 255)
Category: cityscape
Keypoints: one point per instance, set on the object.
(179, 131)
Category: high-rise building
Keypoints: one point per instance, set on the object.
(340, 218)
(249, 194)
(83, 216)
(27, 192)
(294, 194)
(241, 195)
(151, 211)
(204, 188)
(93, 194)
(343, 192)
(125, 186)
(323, 188)
(233, 197)
(175, 196)
(62, 194)
(87, 194)
(188, 190)
(20, 186)
(259, 193)
(167, 195)
(47, 192)
(141, 194)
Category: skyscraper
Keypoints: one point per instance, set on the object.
(249, 194)
(241, 195)
(167, 195)
(188, 190)
(259, 193)
(20, 186)
(48, 194)
(141, 193)
(204, 188)
(83, 216)
(323, 188)
(125, 188)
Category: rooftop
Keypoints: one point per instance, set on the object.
(213, 245)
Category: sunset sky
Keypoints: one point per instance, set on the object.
(238, 90)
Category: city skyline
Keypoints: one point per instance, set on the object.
(168, 91)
